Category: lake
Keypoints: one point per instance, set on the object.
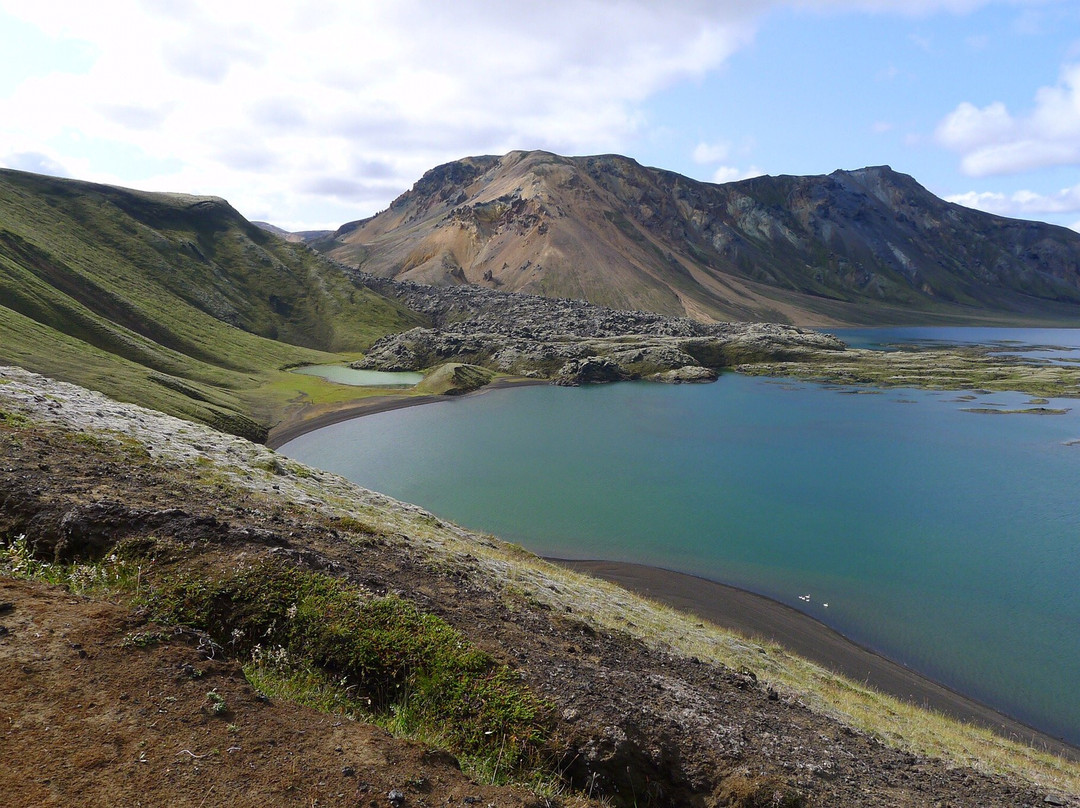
(1050, 345)
(947, 540)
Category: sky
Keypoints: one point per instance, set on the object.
(309, 115)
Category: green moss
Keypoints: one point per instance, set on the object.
(89, 439)
(952, 369)
(216, 703)
(13, 419)
(455, 379)
(327, 643)
(144, 639)
(351, 524)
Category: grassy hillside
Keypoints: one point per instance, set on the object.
(172, 301)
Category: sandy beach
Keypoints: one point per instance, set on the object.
(306, 420)
(732, 608)
(760, 617)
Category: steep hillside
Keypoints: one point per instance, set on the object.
(173, 301)
(187, 618)
(866, 246)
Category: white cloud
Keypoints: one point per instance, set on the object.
(913, 8)
(1021, 203)
(968, 127)
(923, 43)
(34, 161)
(993, 141)
(313, 114)
(711, 152)
(258, 97)
(720, 151)
(731, 174)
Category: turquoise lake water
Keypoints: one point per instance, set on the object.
(947, 540)
(1052, 345)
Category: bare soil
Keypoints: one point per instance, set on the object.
(88, 719)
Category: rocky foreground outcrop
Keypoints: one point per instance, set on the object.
(573, 342)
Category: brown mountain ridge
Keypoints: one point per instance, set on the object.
(863, 246)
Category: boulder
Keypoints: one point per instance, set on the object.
(590, 370)
(688, 374)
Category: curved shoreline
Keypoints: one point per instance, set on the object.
(736, 609)
(300, 424)
(763, 618)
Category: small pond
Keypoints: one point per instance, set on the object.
(343, 374)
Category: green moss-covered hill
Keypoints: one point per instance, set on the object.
(172, 301)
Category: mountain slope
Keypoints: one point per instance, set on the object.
(173, 301)
(300, 237)
(852, 247)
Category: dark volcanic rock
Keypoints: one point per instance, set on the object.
(690, 374)
(570, 341)
(591, 370)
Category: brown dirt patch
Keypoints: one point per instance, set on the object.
(89, 719)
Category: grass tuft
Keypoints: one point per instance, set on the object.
(110, 575)
(328, 644)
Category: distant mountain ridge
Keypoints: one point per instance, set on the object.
(864, 246)
(177, 302)
(296, 237)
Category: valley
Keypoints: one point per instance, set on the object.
(161, 561)
(145, 521)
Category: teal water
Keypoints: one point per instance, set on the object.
(1059, 346)
(947, 540)
(361, 378)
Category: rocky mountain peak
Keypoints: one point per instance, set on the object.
(853, 246)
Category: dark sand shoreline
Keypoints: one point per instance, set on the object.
(733, 608)
(299, 424)
(293, 428)
(760, 617)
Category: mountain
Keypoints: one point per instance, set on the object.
(173, 301)
(178, 303)
(298, 237)
(865, 246)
